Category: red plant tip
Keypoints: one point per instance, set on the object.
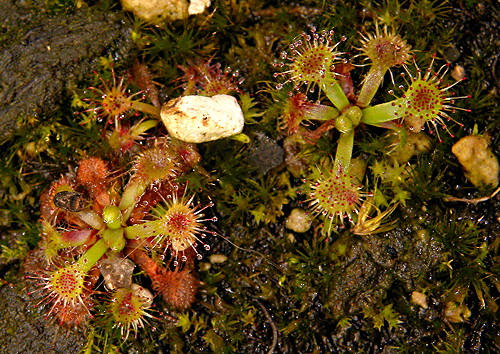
(311, 59)
(294, 113)
(111, 101)
(156, 164)
(385, 49)
(334, 195)
(426, 102)
(207, 79)
(93, 173)
(92, 170)
(128, 308)
(178, 288)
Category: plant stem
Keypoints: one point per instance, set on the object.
(144, 230)
(146, 108)
(133, 191)
(345, 124)
(344, 150)
(114, 239)
(321, 112)
(91, 218)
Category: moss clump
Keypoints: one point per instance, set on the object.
(278, 289)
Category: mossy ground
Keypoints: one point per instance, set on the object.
(298, 292)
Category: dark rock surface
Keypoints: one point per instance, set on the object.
(40, 54)
(26, 330)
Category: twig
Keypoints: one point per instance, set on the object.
(273, 326)
(472, 201)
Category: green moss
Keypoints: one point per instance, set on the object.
(278, 289)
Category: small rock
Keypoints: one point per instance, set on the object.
(217, 258)
(478, 161)
(157, 10)
(458, 73)
(198, 6)
(143, 294)
(298, 220)
(263, 153)
(419, 299)
(117, 272)
(410, 145)
(198, 119)
(456, 313)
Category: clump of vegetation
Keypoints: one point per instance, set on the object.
(96, 217)
(345, 107)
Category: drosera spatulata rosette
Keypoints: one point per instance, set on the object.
(313, 61)
(146, 212)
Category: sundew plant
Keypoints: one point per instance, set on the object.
(338, 220)
(315, 63)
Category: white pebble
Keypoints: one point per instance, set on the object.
(198, 6)
(197, 119)
(217, 258)
(298, 220)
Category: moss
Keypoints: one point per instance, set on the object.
(291, 292)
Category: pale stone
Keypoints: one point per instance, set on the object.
(217, 258)
(117, 272)
(157, 10)
(419, 299)
(478, 161)
(197, 119)
(408, 146)
(298, 220)
(198, 6)
(456, 312)
(145, 296)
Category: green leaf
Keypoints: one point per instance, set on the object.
(215, 341)
(248, 108)
(184, 322)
